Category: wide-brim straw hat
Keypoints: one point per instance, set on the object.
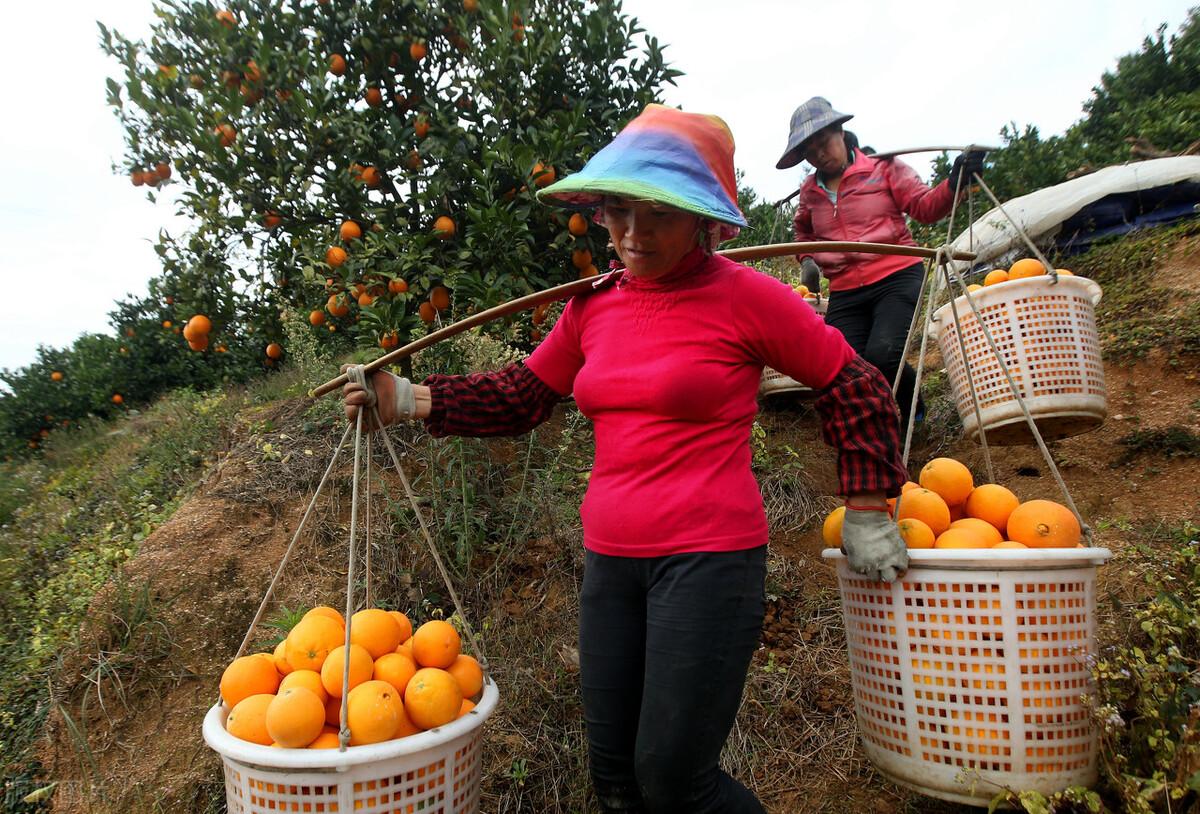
(814, 115)
(683, 160)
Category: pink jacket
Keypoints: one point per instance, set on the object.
(872, 200)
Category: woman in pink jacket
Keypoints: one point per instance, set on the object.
(664, 356)
(853, 196)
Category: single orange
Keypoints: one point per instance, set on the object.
(444, 227)
(581, 258)
(397, 286)
(993, 503)
(831, 529)
(949, 478)
(333, 711)
(468, 674)
(995, 276)
(247, 676)
(578, 226)
(274, 351)
(960, 538)
(316, 318)
(309, 679)
(349, 230)
(335, 256)
(406, 627)
(337, 306)
(248, 719)
(436, 644)
(334, 668)
(326, 740)
(396, 669)
(1029, 267)
(373, 711)
(309, 642)
(337, 64)
(374, 97)
(432, 698)
(372, 177)
(543, 175)
(376, 631)
(926, 506)
(985, 530)
(1010, 544)
(1044, 524)
(915, 533)
(439, 296)
(295, 717)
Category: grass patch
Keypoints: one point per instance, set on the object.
(70, 521)
(1169, 442)
(1135, 316)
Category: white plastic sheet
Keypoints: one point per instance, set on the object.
(1041, 213)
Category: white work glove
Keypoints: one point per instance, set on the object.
(392, 394)
(873, 545)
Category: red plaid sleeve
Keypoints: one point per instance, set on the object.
(860, 420)
(510, 401)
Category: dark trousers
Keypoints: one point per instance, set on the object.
(875, 321)
(664, 644)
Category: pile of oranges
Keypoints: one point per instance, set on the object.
(400, 683)
(947, 510)
(1020, 270)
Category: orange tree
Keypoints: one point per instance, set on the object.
(373, 163)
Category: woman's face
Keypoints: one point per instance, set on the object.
(650, 238)
(826, 151)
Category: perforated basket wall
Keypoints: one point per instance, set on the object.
(775, 383)
(434, 772)
(1046, 334)
(973, 667)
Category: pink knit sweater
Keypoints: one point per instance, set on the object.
(668, 372)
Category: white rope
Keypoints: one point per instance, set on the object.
(258, 615)
(412, 499)
(367, 525)
(1033, 428)
(344, 728)
(1053, 272)
(962, 349)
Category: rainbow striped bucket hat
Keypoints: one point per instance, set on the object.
(684, 160)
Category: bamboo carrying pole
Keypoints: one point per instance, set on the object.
(907, 151)
(562, 292)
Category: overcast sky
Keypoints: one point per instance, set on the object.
(76, 237)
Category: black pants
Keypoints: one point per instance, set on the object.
(875, 321)
(664, 644)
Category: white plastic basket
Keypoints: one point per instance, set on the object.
(434, 771)
(969, 671)
(774, 383)
(1046, 334)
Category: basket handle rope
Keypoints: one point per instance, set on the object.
(357, 374)
(942, 259)
(433, 552)
(262, 607)
(344, 725)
